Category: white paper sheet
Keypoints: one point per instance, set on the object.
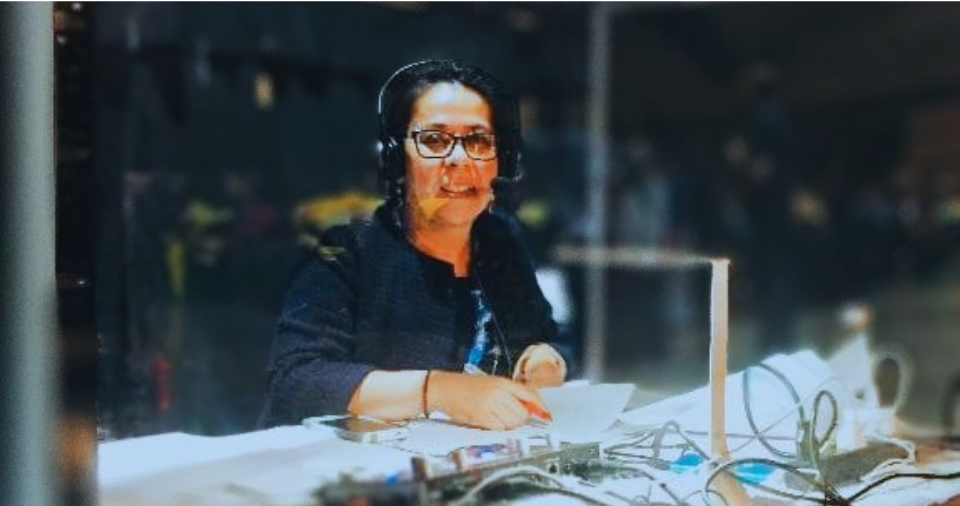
(581, 413)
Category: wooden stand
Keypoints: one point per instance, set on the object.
(728, 486)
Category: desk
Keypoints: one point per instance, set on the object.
(284, 466)
(275, 467)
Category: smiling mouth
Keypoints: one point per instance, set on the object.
(456, 192)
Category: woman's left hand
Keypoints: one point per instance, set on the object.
(540, 365)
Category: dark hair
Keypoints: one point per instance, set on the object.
(395, 108)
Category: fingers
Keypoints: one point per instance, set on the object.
(502, 418)
(502, 409)
(500, 414)
(542, 369)
(547, 374)
(540, 365)
(524, 393)
(513, 413)
(531, 402)
(496, 403)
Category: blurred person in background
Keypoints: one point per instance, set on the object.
(643, 208)
(432, 305)
(771, 183)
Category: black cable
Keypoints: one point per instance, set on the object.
(663, 486)
(636, 439)
(830, 497)
(718, 494)
(531, 474)
(700, 492)
(640, 437)
(895, 476)
(814, 442)
(654, 462)
(656, 447)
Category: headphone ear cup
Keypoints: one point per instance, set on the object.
(394, 159)
(511, 171)
(383, 175)
(391, 166)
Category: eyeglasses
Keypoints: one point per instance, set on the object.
(437, 144)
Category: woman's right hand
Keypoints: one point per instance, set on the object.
(488, 402)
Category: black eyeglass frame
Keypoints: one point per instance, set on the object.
(453, 145)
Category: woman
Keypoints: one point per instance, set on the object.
(384, 320)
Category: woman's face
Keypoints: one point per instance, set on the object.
(453, 190)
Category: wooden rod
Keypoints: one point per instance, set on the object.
(728, 486)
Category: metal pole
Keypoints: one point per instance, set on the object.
(28, 353)
(598, 154)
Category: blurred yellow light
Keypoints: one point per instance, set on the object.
(263, 91)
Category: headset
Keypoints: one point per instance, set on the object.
(506, 120)
(398, 91)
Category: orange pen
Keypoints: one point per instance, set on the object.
(536, 411)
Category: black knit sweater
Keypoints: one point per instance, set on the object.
(369, 300)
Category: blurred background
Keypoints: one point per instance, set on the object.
(815, 145)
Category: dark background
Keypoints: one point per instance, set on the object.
(814, 144)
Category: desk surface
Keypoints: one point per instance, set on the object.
(284, 466)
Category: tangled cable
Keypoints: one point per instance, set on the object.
(830, 496)
(815, 430)
(817, 426)
(533, 476)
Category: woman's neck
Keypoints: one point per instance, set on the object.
(449, 244)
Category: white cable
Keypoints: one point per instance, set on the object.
(502, 474)
(905, 372)
(892, 465)
(814, 391)
(904, 367)
(664, 485)
(570, 487)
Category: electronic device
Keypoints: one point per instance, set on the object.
(430, 483)
(359, 428)
(851, 466)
